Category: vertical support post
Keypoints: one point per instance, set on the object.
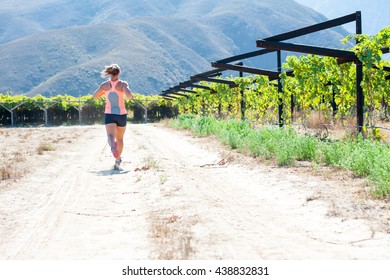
(46, 120)
(12, 111)
(44, 109)
(359, 96)
(292, 104)
(242, 100)
(333, 103)
(80, 121)
(80, 109)
(280, 88)
(12, 118)
(359, 79)
(145, 108)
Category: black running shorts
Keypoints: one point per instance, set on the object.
(120, 120)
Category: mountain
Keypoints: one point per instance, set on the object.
(55, 47)
(375, 13)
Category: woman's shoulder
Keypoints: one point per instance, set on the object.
(123, 84)
(105, 85)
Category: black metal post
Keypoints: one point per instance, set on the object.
(333, 103)
(292, 104)
(280, 89)
(242, 100)
(359, 79)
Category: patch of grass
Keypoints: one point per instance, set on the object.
(58, 139)
(366, 158)
(163, 179)
(10, 171)
(182, 121)
(45, 147)
(172, 236)
(233, 133)
(6, 172)
(10, 168)
(18, 157)
(150, 162)
(27, 135)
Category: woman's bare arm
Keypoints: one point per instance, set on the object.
(99, 92)
(127, 90)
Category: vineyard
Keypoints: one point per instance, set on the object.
(68, 110)
(320, 89)
(338, 85)
(338, 89)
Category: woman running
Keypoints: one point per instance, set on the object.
(115, 115)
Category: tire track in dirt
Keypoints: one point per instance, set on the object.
(62, 181)
(85, 212)
(232, 226)
(50, 215)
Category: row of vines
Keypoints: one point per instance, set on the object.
(319, 84)
(64, 109)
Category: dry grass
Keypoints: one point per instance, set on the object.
(12, 166)
(172, 236)
(21, 146)
(26, 135)
(4, 132)
(323, 126)
(18, 157)
(11, 171)
(6, 172)
(150, 162)
(58, 140)
(45, 147)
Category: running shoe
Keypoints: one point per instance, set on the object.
(118, 164)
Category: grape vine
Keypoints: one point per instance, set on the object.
(319, 84)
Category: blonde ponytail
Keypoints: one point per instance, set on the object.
(111, 70)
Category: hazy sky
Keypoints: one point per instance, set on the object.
(375, 13)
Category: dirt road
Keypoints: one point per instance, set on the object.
(177, 197)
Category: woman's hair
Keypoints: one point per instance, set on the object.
(111, 70)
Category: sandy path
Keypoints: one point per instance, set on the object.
(173, 201)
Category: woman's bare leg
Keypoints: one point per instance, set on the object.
(111, 134)
(119, 135)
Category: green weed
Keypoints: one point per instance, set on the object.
(364, 157)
